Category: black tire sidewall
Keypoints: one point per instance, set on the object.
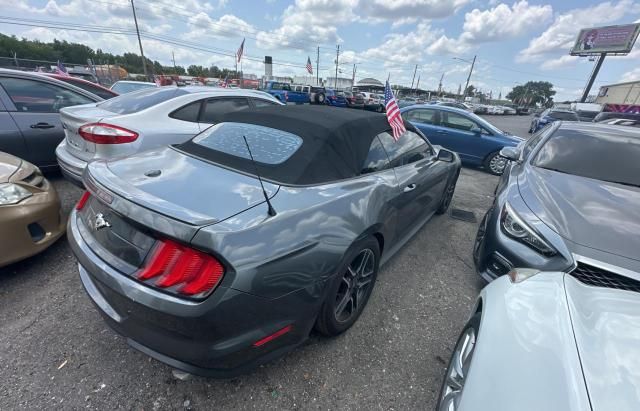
(454, 181)
(326, 323)
(473, 322)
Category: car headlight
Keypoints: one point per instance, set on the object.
(12, 193)
(515, 227)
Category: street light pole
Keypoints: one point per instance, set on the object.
(135, 20)
(466, 86)
(335, 84)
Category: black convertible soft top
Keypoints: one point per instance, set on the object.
(335, 142)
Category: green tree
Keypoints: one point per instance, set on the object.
(470, 91)
(533, 93)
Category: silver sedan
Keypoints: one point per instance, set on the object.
(143, 120)
(550, 341)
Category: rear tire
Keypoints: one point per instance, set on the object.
(350, 289)
(445, 202)
(495, 163)
(320, 98)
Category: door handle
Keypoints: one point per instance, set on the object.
(410, 187)
(42, 125)
(443, 131)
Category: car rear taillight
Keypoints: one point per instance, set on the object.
(83, 200)
(182, 270)
(102, 133)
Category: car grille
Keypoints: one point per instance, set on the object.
(598, 277)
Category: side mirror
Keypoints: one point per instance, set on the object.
(511, 153)
(445, 155)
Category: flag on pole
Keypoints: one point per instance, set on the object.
(393, 113)
(240, 51)
(61, 69)
(309, 66)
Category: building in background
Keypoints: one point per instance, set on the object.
(621, 97)
(342, 83)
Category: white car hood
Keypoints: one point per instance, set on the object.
(606, 324)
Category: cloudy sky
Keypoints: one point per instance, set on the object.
(513, 41)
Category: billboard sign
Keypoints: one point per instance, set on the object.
(609, 39)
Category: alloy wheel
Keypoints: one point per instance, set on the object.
(355, 284)
(457, 371)
(497, 164)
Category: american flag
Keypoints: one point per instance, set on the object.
(240, 51)
(393, 113)
(309, 66)
(61, 69)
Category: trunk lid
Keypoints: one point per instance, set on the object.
(72, 119)
(181, 187)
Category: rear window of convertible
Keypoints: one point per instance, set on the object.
(141, 99)
(268, 145)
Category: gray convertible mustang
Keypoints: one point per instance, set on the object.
(223, 252)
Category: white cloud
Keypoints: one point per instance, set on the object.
(413, 9)
(560, 62)
(561, 35)
(633, 75)
(502, 22)
(202, 26)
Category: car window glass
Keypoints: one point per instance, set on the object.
(426, 116)
(258, 102)
(408, 149)
(533, 141)
(98, 91)
(122, 88)
(563, 115)
(40, 97)
(377, 158)
(141, 99)
(458, 122)
(215, 109)
(188, 113)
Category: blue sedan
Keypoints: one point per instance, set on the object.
(477, 141)
(549, 116)
(336, 98)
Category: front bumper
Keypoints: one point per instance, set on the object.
(29, 227)
(213, 337)
(70, 166)
(495, 253)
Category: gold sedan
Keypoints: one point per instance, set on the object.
(30, 215)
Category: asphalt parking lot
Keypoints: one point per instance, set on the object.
(56, 352)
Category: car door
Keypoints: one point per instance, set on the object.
(461, 134)
(36, 106)
(425, 120)
(11, 140)
(421, 179)
(215, 108)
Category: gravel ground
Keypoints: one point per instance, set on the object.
(55, 351)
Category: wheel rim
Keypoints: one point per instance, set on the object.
(457, 371)
(497, 164)
(449, 196)
(355, 284)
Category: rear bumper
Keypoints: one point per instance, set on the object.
(213, 337)
(29, 227)
(70, 166)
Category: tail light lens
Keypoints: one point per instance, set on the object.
(83, 200)
(182, 270)
(102, 133)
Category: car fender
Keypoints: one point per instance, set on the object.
(525, 356)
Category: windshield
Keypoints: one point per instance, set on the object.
(142, 99)
(605, 154)
(563, 115)
(122, 88)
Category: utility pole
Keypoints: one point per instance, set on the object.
(353, 76)
(440, 84)
(418, 85)
(414, 76)
(335, 84)
(173, 58)
(135, 20)
(318, 68)
(466, 86)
